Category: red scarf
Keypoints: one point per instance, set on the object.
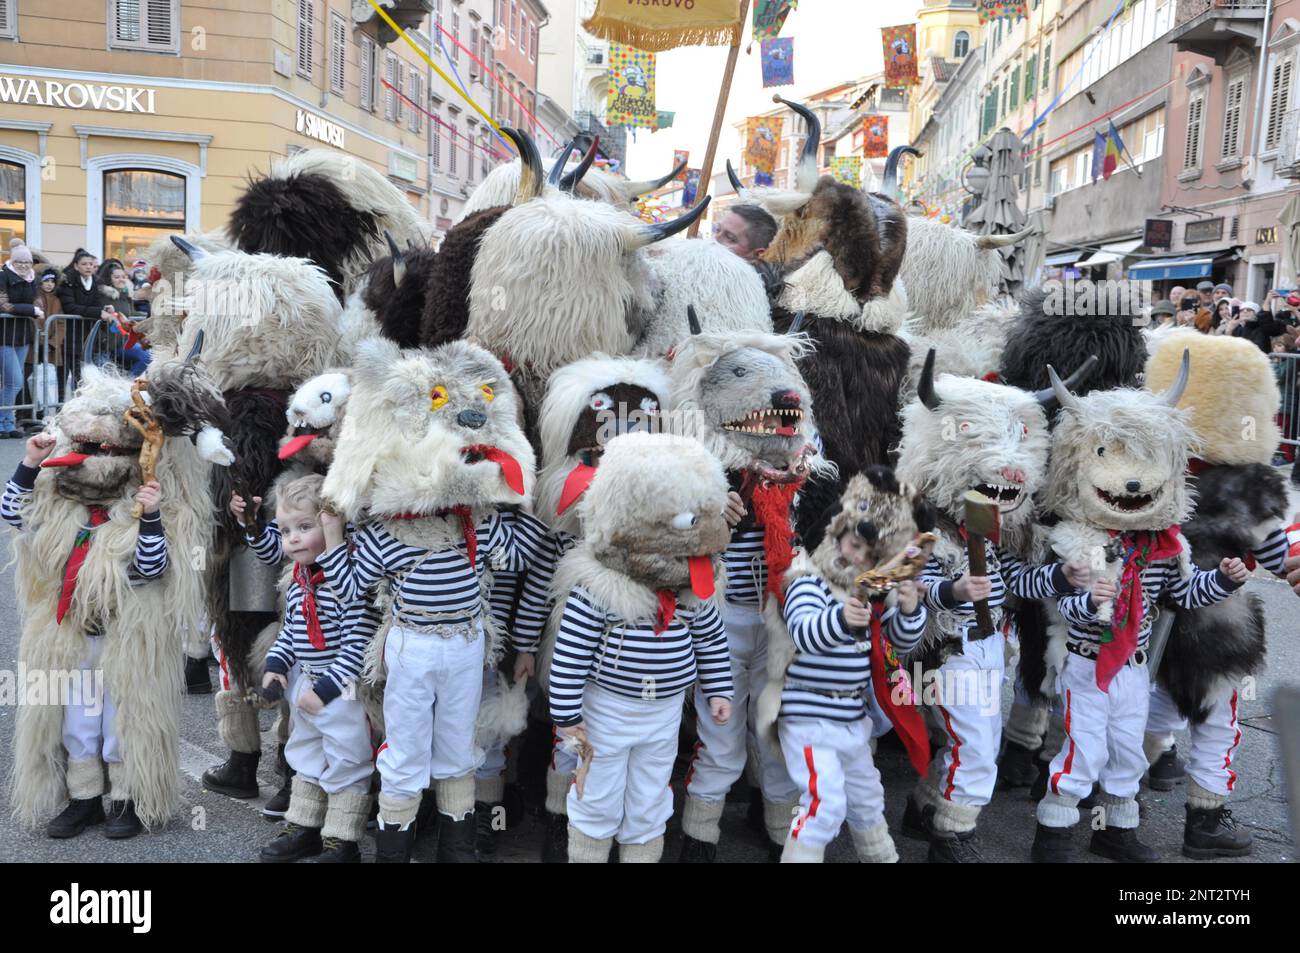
(80, 547)
(1141, 549)
(771, 503)
(308, 586)
(467, 528)
(905, 716)
(667, 610)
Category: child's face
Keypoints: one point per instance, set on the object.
(855, 550)
(301, 532)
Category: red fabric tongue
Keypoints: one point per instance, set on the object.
(511, 471)
(786, 431)
(295, 444)
(701, 576)
(67, 460)
(575, 484)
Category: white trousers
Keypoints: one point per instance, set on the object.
(330, 749)
(1162, 715)
(1214, 741)
(969, 708)
(626, 794)
(494, 758)
(89, 712)
(838, 781)
(720, 755)
(431, 702)
(1103, 731)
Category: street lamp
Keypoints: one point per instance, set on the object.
(976, 174)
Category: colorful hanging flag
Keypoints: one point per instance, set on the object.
(631, 89)
(847, 169)
(690, 188)
(762, 141)
(769, 17)
(681, 157)
(664, 119)
(899, 43)
(662, 26)
(778, 61)
(990, 10)
(1098, 155)
(875, 137)
(1113, 149)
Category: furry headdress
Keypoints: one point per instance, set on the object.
(502, 184)
(315, 417)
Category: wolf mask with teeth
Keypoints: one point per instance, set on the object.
(315, 418)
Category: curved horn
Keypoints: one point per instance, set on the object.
(806, 176)
(192, 252)
(891, 167)
(561, 160)
(88, 349)
(642, 235)
(1175, 391)
(1063, 395)
(692, 319)
(636, 189)
(1048, 398)
(571, 179)
(925, 386)
(530, 165)
(399, 262)
(998, 241)
(797, 324)
(735, 179)
(197, 349)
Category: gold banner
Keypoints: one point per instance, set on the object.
(659, 25)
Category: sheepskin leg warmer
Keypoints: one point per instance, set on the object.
(1200, 799)
(1026, 725)
(237, 723)
(557, 792)
(117, 788)
(874, 845)
(307, 804)
(797, 852)
(587, 850)
(1155, 745)
(455, 796)
(957, 818)
(1119, 811)
(777, 816)
(345, 818)
(85, 779)
(490, 790)
(397, 812)
(647, 853)
(701, 819)
(1057, 810)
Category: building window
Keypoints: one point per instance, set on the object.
(1195, 118)
(137, 24)
(532, 43)
(140, 206)
(13, 202)
(1038, 161)
(469, 151)
(514, 21)
(453, 135)
(1279, 102)
(1047, 67)
(417, 97)
(483, 153)
(435, 126)
(455, 36)
(474, 49)
(1232, 100)
(367, 61)
(960, 45)
(306, 36)
(1031, 77)
(390, 89)
(9, 19)
(338, 54)
(1015, 87)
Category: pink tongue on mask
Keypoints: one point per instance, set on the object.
(67, 460)
(295, 444)
(701, 576)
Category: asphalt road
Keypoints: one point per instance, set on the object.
(212, 828)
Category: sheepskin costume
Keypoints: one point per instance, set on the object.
(502, 183)
(169, 270)
(315, 417)
(141, 661)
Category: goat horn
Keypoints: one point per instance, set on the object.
(643, 235)
(925, 387)
(570, 181)
(806, 176)
(558, 169)
(890, 185)
(530, 165)
(998, 241)
(197, 349)
(1175, 391)
(1063, 395)
(736, 184)
(1048, 397)
(635, 189)
(192, 252)
(692, 319)
(797, 324)
(399, 263)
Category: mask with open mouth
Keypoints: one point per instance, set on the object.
(315, 416)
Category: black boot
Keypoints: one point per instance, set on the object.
(485, 832)
(278, 805)
(235, 777)
(335, 851)
(1166, 772)
(1018, 766)
(394, 845)
(1038, 790)
(1122, 844)
(426, 817)
(1053, 845)
(918, 823)
(1211, 832)
(754, 814)
(122, 821)
(456, 840)
(292, 843)
(197, 679)
(555, 848)
(697, 851)
(76, 817)
(955, 847)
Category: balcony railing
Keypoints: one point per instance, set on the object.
(1215, 27)
(1189, 9)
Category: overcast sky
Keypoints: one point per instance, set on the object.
(834, 41)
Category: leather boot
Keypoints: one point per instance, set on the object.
(700, 852)
(456, 840)
(1018, 766)
(276, 807)
(394, 845)
(1166, 772)
(336, 851)
(76, 817)
(122, 821)
(235, 777)
(1211, 832)
(955, 847)
(1053, 845)
(485, 832)
(198, 681)
(292, 843)
(1122, 844)
(555, 848)
(918, 822)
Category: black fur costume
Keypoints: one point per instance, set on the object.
(397, 306)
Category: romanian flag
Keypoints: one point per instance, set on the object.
(1113, 149)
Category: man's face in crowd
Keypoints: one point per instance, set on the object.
(1207, 297)
(1219, 295)
(732, 233)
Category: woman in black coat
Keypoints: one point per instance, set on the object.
(81, 298)
(19, 291)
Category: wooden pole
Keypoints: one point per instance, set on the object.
(706, 171)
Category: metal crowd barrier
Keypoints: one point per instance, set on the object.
(1287, 369)
(19, 341)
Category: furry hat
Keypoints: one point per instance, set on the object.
(315, 417)
(423, 431)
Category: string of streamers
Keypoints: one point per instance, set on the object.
(455, 134)
(455, 72)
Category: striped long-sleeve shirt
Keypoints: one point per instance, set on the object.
(150, 558)
(269, 545)
(745, 563)
(1204, 587)
(627, 657)
(1271, 552)
(830, 657)
(536, 601)
(434, 582)
(347, 629)
(1006, 573)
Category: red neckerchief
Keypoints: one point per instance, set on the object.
(1140, 550)
(80, 547)
(771, 504)
(308, 583)
(905, 716)
(467, 528)
(667, 610)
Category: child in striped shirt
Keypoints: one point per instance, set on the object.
(316, 659)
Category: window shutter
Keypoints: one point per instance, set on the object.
(367, 64)
(455, 36)
(1280, 101)
(473, 46)
(160, 23)
(399, 77)
(7, 18)
(306, 31)
(338, 54)
(437, 140)
(1192, 150)
(1232, 117)
(390, 91)
(126, 21)
(1047, 67)
(1015, 87)
(1031, 77)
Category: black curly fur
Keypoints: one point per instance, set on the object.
(182, 402)
(303, 216)
(399, 309)
(446, 301)
(1224, 640)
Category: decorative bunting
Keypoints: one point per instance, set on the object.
(762, 142)
(769, 17)
(875, 137)
(778, 61)
(899, 43)
(690, 187)
(631, 90)
(663, 26)
(847, 169)
(990, 10)
(664, 118)
(681, 157)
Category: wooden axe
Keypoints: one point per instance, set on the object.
(983, 521)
